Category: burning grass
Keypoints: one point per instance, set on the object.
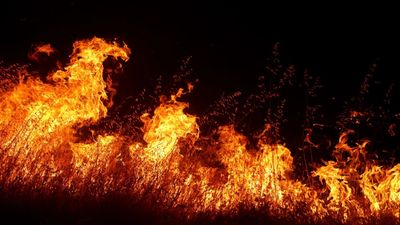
(61, 145)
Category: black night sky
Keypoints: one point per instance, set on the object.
(229, 41)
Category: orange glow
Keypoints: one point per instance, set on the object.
(41, 150)
(45, 49)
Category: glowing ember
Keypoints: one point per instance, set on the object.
(41, 150)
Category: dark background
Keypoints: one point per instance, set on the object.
(229, 41)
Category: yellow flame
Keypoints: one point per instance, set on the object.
(171, 167)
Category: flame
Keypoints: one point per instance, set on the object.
(163, 131)
(170, 167)
(37, 118)
(44, 49)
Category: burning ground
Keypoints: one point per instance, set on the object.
(60, 147)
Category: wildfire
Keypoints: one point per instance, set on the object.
(170, 166)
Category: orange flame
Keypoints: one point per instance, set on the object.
(45, 49)
(40, 150)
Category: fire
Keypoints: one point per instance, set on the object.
(173, 165)
(37, 118)
(45, 49)
(163, 131)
